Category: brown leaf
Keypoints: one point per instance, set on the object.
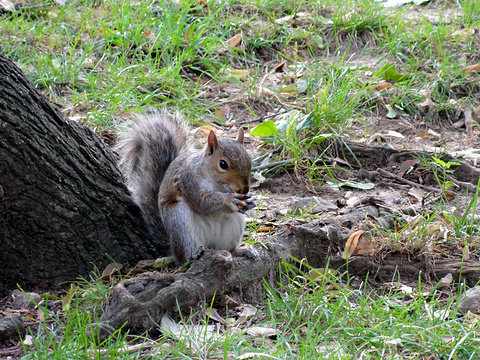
(279, 67)
(472, 68)
(206, 129)
(407, 166)
(248, 310)
(40, 315)
(382, 85)
(221, 114)
(352, 243)
(466, 253)
(476, 112)
(365, 247)
(449, 194)
(445, 281)
(213, 314)
(111, 269)
(427, 104)
(417, 193)
(234, 41)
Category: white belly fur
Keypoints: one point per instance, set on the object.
(220, 231)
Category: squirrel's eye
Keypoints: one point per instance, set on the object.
(223, 165)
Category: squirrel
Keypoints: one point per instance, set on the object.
(199, 196)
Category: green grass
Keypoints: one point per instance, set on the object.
(314, 314)
(102, 59)
(342, 323)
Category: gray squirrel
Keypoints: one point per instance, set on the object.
(199, 196)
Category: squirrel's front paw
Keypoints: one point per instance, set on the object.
(198, 253)
(244, 202)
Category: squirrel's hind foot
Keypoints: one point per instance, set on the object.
(246, 251)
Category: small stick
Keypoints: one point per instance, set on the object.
(269, 166)
(282, 162)
(265, 117)
(396, 177)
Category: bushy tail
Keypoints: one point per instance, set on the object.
(147, 147)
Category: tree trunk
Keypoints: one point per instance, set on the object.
(63, 206)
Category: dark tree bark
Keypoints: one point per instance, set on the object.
(63, 206)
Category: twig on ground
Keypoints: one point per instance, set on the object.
(269, 166)
(396, 177)
(282, 162)
(265, 117)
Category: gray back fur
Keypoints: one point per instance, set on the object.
(147, 146)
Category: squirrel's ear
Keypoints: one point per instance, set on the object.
(212, 142)
(240, 135)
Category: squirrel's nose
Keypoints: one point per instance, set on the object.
(244, 190)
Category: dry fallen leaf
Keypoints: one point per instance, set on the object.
(394, 342)
(445, 281)
(466, 253)
(425, 135)
(448, 339)
(427, 104)
(382, 85)
(352, 243)
(417, 193)
(28, 340)
(248, 310)
(405, 289)
(7, 5)
(261, 90)
(476, 113)
(188, 36)
(449, 194)
(40, 315)
(111, 269)
(472, 68)
(279, 67)
(222, 113)
(234, 41)
(213, 314)
(464, 34)
(206, 129)
(407, 166)
(261, 331)
(365, 247)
